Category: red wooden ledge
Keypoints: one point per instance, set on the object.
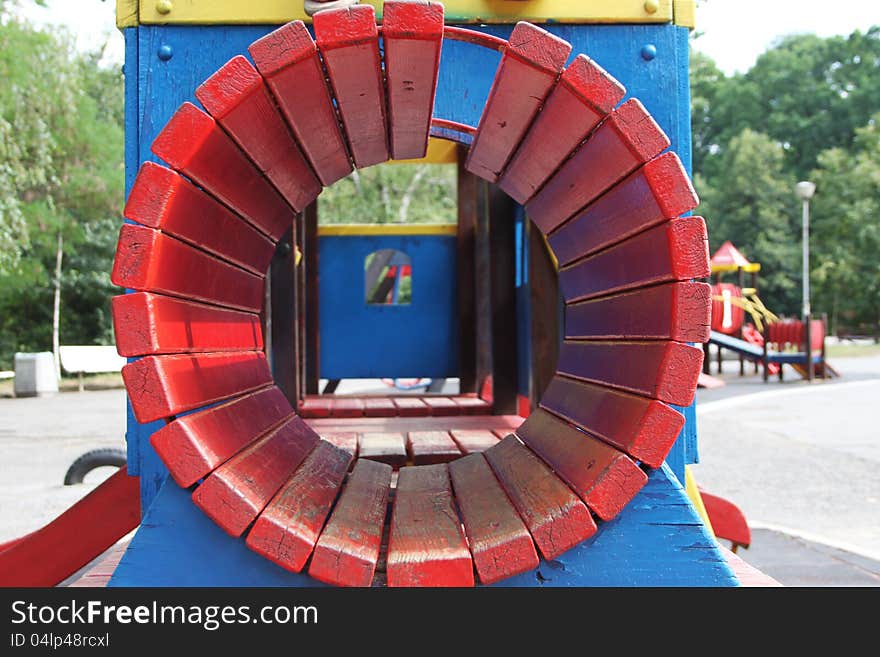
(584, 95)
(555, 517)
(162, 386)
(658, 191)
(667, 371)
(625, 140)
(527, 72)
(348, 549)
(605, 478)
(412, 33)
(288, 60)
(386, 447)
(288, 528)
(349, 43)
(237, 98)
(674, 251)
(87, 529)
(426, 546)
(193, 445)
(161, 198)
(145, 323)
(192, 143)
(473, 440)
(643, 428)
(675, 311)
(236, 492)
(347, 440)
(379, 407)
(430, 447)
(499, 541)
(151, 261)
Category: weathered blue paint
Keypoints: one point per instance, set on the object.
(360, 340)
(658, 540)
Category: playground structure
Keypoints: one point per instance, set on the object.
(768, 341)
(554, 464)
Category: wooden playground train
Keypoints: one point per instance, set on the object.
(566, 301)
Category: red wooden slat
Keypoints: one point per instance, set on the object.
(347, 407)
(192, 143)
(349, 43)
(288, 528)
(236, 492)
(605, 478)
(238, 99)
(667, 371)
(473, 440)
(151, 261)
(527, 72)
(348, 549)
(555, 517)
(146, 323)
(584, 95)
(347, 440)
(161, 198)
(412, 33)
(288, 59)
(430, 447)
(193, 445)
(628, 138)
(83, 532)
(411, 407)
(643, 428)
(316, 407)
(386, 447)
(499, 541)
(674, 251)
(379, 407)
(472, 405)
(675, 311)
(162, 386)
(426, 546)
(441, 406)
(658, 191)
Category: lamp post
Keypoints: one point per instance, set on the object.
(805, 191)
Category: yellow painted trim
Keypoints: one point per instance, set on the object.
(457, 11)
(440, 151)
(685, 13)
(690, 487)
(752, 267)
(126, 13)
(380, 230)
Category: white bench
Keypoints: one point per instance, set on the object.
(90, 359)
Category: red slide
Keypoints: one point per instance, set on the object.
(50, 555)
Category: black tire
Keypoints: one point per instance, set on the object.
(95, 458)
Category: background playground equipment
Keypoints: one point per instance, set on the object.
(567, 464)
(768, 341)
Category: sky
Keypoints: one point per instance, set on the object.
(734, 32)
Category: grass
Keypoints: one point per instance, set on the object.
(108, 381)
(849, 350)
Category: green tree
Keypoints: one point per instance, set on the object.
(845, 227)
(752, 206)
(61, 189)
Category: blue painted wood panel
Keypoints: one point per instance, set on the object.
(360, 340)
(658, 540)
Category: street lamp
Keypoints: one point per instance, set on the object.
(805, 191)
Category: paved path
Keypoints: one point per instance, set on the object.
(802, 460)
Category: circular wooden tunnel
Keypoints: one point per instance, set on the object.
(595, 180)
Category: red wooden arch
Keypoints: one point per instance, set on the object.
(593, 177)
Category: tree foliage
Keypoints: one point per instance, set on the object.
(807, 110)
(61, 173)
